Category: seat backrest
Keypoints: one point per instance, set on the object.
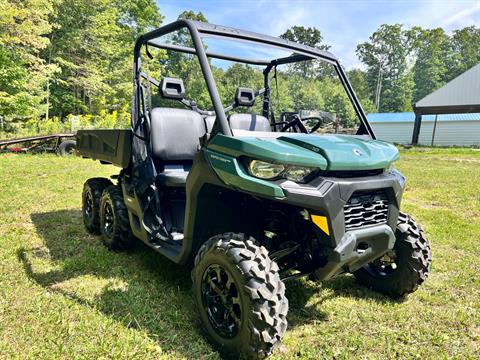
(175, 133)
(251, 122)
(209, 121)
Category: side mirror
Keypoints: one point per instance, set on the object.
(171, 88)
(244, 97)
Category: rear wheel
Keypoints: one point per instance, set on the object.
(239, 295)
(405, 267)
(92, 192)
(114, 223)
(67, 147)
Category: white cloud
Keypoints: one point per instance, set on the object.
(343, 23)
(463, 17)
(346, 23)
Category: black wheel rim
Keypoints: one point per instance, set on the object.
(89, 205)
(221, 301)
(384, 266)
(108, 219)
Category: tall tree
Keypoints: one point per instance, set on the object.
(358, 79)
(92, 43)
(310, 36)
(23, 26)
(338, 103)
(388, 76)
(186, 66)
(466, 47)
(433, 53)
(239, 75)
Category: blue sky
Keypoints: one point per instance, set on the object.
(343, 23)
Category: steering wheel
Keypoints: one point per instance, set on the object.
(294, 125)
(297, 124)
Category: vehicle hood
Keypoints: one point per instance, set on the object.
(344, 152)
(328, 152)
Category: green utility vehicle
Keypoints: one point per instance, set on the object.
(249, 201)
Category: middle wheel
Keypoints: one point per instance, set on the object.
(114, 223)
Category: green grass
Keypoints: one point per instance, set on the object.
(63, 295)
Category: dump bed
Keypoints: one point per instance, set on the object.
(110, 146)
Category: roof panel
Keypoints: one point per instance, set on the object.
(464, 90)
(237, 34)
(410, 117)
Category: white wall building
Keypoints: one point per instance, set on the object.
(449, 130)
(449, 116)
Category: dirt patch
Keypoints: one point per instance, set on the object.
(457, 159)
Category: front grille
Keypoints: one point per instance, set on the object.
(366, 209)
(351, 173)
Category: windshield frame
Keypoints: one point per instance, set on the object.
(198, 30)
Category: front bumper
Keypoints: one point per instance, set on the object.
(328, 197)
(357, 248)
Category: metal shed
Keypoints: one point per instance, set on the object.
(436, 130)
(460, 95)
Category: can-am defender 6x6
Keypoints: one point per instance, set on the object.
(249, 201)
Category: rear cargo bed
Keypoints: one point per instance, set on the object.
(110, 146)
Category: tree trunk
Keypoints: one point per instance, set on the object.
(48, 100)
(378, 89)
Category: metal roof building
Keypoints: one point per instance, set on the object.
(436, 130)
(460, 95)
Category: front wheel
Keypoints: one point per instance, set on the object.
(401, 270)
(239, 296)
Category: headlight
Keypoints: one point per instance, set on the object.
(269, 171)
(265, 170)
(297, 173)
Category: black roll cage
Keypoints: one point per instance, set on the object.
(197, 29)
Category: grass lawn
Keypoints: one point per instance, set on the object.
(63, 295)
